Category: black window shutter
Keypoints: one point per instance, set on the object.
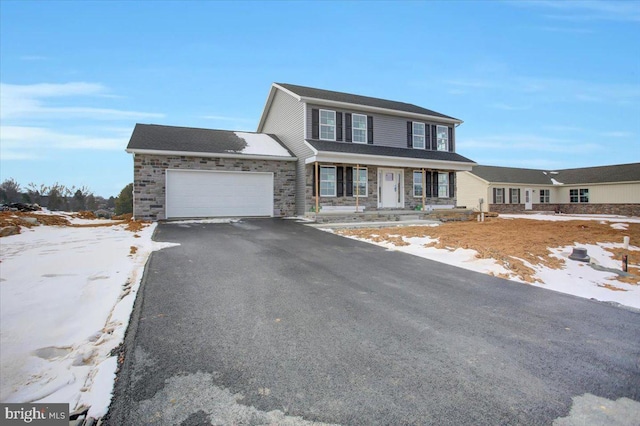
(340, 181)
(349, 191)
(494, 195)
(369, 129)
(338, 126)
(349, 134)
(510, 200)
(450, 139)
(452, 184)
(428, 185)
(434, 138)
(313, 180)
(434, 182)
(315, 124)
(409, 134)
(519, 199)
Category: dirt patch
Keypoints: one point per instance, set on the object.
(133, 250)
(26, 220)
(510, 240)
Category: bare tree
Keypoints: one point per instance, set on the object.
(10, 191)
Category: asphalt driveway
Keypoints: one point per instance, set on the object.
(273, 322)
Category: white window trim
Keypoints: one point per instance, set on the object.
(544, 197)
(327, 125)
(511, 192)
(414, 183)
(353, 129)
(413, 135)
(366, 182)
(447, 185)
(501, 190)
(446, 138)
(335, 183)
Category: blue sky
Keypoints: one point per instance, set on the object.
(544, 84)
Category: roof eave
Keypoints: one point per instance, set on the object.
(389, 161)
(209, 154)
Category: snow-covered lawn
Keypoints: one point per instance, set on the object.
(66, 294)
(577, 278)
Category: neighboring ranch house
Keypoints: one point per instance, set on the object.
(314, 149)
(588, 190)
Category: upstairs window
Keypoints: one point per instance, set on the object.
(359, 128)
(419, 135)
(544, 196)
(327, 125)
(443, 138)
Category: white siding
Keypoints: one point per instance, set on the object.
(470, 189)
(605, 193)
(285, 119)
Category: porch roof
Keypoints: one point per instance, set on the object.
(352, 153)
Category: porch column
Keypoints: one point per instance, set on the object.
(424, 188)
(317, 184)
(357, 186)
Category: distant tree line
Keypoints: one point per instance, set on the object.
(58, 197)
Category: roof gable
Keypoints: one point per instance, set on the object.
(367, 101)
(153, 137)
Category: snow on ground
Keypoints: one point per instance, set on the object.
(576, 278)
(66, 295)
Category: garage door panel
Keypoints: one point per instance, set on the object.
(193, 193)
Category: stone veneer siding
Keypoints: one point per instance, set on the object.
(149, 180)
(370, 202)
(571, 208)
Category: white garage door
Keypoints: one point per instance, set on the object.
(195, 193)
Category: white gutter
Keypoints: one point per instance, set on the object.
(210, 154)
(380, 160)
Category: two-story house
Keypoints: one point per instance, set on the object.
(314, 149)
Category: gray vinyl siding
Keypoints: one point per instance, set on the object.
(285, 119)
(388, 130)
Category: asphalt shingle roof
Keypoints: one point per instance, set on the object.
(190, 139)
(329, 95)
(584, 175)
(366, 149)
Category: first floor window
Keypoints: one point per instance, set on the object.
(579, 195)
(443, 185)
(544, 196)
(515, 195)
(443, 138)
(498, 195)
(359, 128)
(417, 183)
(327, 181)
(327, 125)
(419, 135)
(584, 195)
(360, 182)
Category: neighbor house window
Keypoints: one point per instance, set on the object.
(418, 135)
(443, 138)
(327, 125)
(544, 196)
(327, 181)
(360, 186)
(579, 195)
(417, 183)
(443, 185)
(584, 195)
(498, 195)
(515, 195)
(359, 128)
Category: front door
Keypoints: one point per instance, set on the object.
(528, 199)
(390, 192)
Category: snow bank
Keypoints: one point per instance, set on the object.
(66, 295)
